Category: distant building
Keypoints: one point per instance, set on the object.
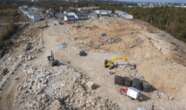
(33, 13)
(92, 15)
(50, 13)
(103, 12)
(70, 16)
(82, 15)
(123, 14)
(59, 15)
(90, 8)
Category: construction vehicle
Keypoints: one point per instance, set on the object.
(52, 61)
(133, 93)
(114, 61)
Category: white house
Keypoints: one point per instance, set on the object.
(103, 12)
(123, 14)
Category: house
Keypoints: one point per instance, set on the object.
(123, 14)
(103, 12)
(33, 13)
(35, 18)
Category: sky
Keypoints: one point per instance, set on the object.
(173, 1)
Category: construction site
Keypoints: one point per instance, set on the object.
(101, 63)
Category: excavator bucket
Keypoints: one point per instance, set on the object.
(109, 64)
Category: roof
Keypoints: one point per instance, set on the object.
(103, 12)
(32, 13)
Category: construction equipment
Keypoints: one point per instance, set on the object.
(52, 61)
(122, 81)
(131, 92)
(82, 53)
(137, 83)
(114, 61)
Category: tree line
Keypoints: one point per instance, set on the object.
(169, 19)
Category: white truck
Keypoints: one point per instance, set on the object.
(132, 93)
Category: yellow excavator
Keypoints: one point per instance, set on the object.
(112, 63)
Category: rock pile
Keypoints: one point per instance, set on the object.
(58, 88)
